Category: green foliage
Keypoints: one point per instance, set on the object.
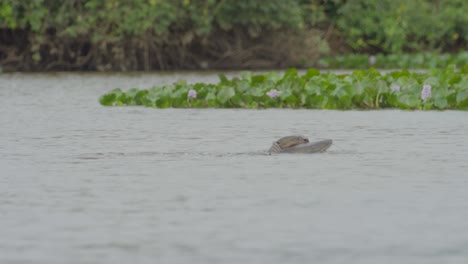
(116, 19)
(396, 25)
(258, 14)
(359, 90)
(122, 34)
(393, 61)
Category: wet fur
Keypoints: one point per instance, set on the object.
(291, 141)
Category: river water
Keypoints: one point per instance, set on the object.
(83, 183)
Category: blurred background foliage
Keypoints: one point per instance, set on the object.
(394, 26)
(199, 34)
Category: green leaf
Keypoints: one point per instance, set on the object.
(139, 97)
(440, 102)
(312, 88)
(246, 76)
(236, 101)
(223, 80)
(311, 73)
(409, 101)
(108, 99)
(132, 92)
(462, 96)
(225, 94)
(256, 92)
(291, 73)
(257, 79)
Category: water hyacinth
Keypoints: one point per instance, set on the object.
(273, 93)
(313, 90)
(426, 92)
(192, 94)
(395, 88)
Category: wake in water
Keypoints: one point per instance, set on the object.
(110, 155)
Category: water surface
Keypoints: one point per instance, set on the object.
(82, 183)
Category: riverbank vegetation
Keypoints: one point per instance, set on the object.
(122, 35)
(395, 61)
(364, 89)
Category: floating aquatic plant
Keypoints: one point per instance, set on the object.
(369, 89)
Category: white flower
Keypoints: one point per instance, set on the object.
(192, 94)
(273, 93)
(426, 92)
(395, 88)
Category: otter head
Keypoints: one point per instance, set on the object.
(291, 141)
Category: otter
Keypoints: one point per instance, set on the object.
(299, 144)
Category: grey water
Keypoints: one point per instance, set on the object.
(83, 183)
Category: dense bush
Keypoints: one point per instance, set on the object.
(120, 18)
(393, 26)
(146, 34)
(435, 89)
(168, 34)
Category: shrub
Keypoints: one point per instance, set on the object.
(393, 26)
